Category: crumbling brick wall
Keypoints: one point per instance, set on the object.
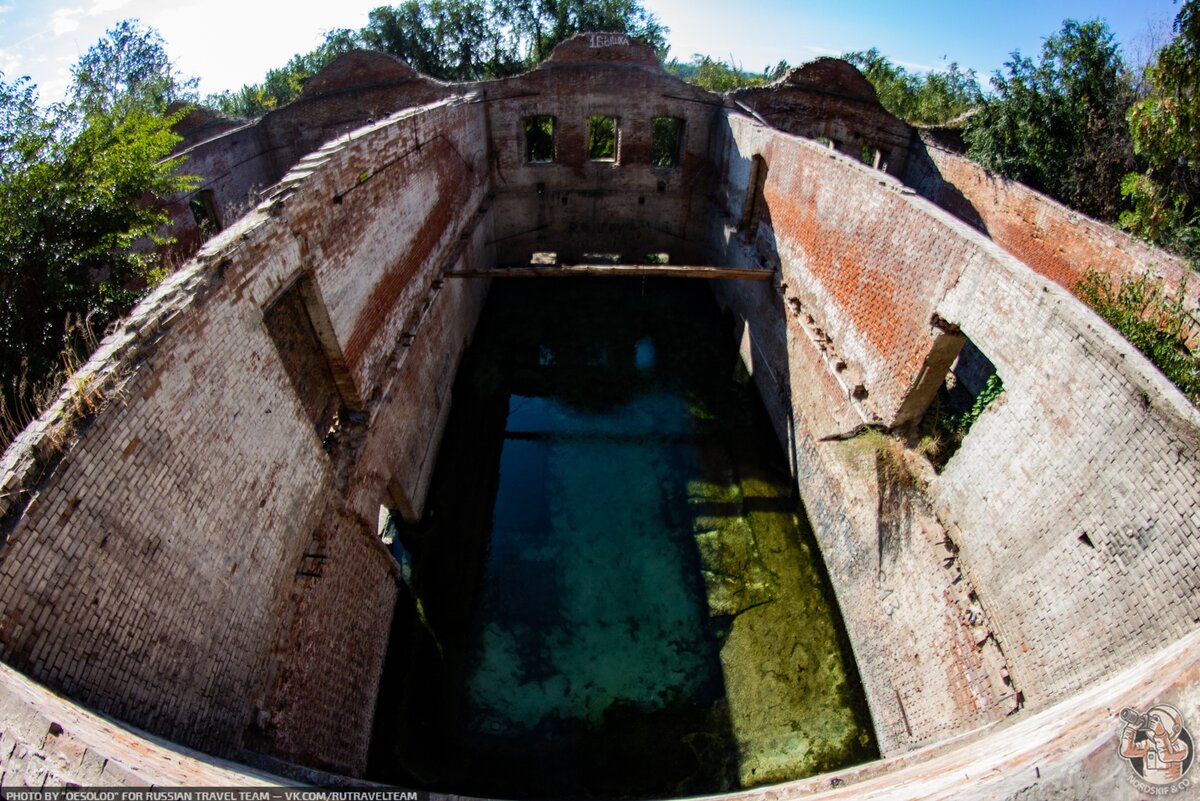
(873, 276)
(154, 565)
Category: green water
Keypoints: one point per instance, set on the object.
(614, 593)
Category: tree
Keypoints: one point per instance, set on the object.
(284, 84)
(77, 183)
(935, 98)
(454, 40)
(1058, 125)
(21, 129)
(128, 68)
(1165, 128)
(716, 75)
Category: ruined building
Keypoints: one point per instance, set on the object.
(189, 540)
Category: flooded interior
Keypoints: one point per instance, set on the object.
(613, 592)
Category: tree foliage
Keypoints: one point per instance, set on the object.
(454, 40)
(1165, 128)
(284, 84)
(127, 69)
(932, 98)
(716, 75)
(77, 220)
(1154, 320)
(1058, 124)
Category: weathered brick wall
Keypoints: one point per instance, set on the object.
(144, 576)
(236, 165)
(1057, 242)
(829, 98)
(1087, 438)
(573, 205)
(906, 612)
(872, 268)
(1076, 496)
(156, 571)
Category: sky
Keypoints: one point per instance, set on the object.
(228, 43)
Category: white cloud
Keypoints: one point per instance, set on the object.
(6, 7)
(912, 65)
(65, 20)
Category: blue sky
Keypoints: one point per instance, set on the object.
(227, 43)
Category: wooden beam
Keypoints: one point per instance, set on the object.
(617, 270)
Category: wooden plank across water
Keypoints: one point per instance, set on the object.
(617, 270)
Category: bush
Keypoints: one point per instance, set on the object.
(1156, 324)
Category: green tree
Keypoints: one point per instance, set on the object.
(1058, 124)
(934, 98)
(77, 217)
(1165, 128)
(454, 40)
(284, 84)
(716, 75)
(128, 68)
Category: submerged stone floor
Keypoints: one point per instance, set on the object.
(614, 591)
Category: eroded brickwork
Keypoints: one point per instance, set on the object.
(1087, 438)
(203, 560)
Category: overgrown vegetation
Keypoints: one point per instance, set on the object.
(1164, 197)
(1155, 322)
(77, 227)
(945, 424)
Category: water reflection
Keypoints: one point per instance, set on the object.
(613, 593)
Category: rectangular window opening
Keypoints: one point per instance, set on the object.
(602, 138)
(302, 333)
(658, 258)
(539, 139)
(969, 388)
(870, 156)
(600, 258)
(204, 211)
(666, 141)
(753, 204)
(390, 533)
(544, 258)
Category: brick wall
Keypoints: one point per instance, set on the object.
(186, 551)
(573, 205)
(1087, 437)
(829, 98)
(236, 163)
(1057, 242)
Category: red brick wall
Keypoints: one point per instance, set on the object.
(1057, 242)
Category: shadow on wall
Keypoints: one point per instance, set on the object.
(923, 175)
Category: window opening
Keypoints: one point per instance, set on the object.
(602, 138)
(204, 210)
(302, 333)
(539, 139)
(389, 532)
(967, 390)
(666, 141)
(752, 207)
